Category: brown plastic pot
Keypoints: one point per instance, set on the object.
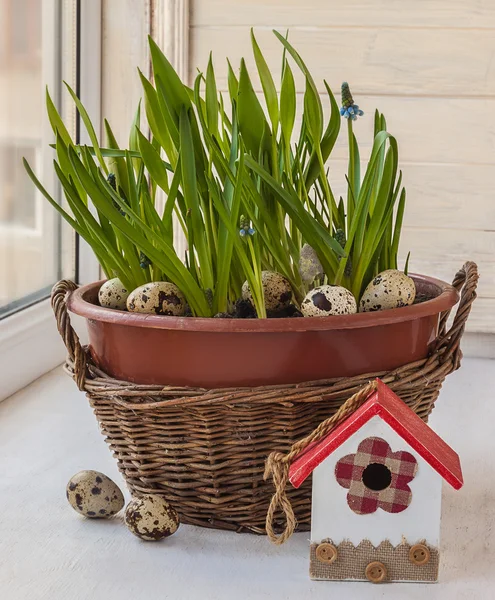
(212, 353)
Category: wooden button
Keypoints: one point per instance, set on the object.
(376, 572)
(326, 553)
(419, 554)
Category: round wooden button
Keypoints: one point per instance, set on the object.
(326, 553)
(376, 572)
(419, 554)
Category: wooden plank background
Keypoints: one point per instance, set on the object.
(429, 66)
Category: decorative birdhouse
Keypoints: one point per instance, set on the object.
(377, 480)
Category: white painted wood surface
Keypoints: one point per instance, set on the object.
(332, 518)
(360, 13)
(125, 27)
(429, 67)
(48, 433)
(393, 61)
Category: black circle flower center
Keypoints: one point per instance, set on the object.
(377, 477)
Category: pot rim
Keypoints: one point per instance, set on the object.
(448, 296)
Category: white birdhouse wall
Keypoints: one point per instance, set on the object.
(333, 518)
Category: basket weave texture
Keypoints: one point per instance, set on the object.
(205, 450)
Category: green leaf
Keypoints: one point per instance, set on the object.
(252, 121)
(117, 164)
(313, 116)
(398, 227)
(233, 83)
(315, 97)
(287, 103)
(56, 120)
(211, 96)
(156, 119)
(89, 127)
(377, 225)
(158, 252)
(153, 161)
(177, 94)
(354, 170)
(316, 235)
(267, 84)
(327, 142)
(133, 141)
(191, 197)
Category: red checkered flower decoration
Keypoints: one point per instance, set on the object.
(376, 477)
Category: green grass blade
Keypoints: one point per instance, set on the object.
(89, 127)
(211, 97)
(191, 197)
(233, 83)
(267, 83)
(252, 121)
(153, 162)
(55, 119)
(287, 104)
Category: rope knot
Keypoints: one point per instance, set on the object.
(278, 464)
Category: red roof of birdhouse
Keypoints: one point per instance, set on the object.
(389, 407)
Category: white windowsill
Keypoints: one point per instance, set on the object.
(30, 345)
(48, 433)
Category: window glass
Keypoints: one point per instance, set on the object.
(36, 39)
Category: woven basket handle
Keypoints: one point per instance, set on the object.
(60, 294)
(466, 282)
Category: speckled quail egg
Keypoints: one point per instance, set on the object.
(276, 289)
(151, 518)
(94, 495)
(158, 297)
(113, 294)
(328, 300)
(389, 289)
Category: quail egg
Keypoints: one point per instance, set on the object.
(328, 300)
(151, 518)
(389, 289)
(113, 294)
(159, 297)
(309, 264)
(276, 289)
(94, 495)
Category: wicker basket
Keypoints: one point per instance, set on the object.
(205, 450)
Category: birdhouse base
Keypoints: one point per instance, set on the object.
(381, 564)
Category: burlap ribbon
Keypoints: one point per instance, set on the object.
(278, 464)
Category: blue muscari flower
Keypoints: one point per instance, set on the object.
(246, 231)
(246, 228)
(113, 184)
(144, 261)
(349, 110)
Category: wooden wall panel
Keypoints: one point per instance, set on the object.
(125, 27)
(395, 61)
(359, 13)
(428, 130)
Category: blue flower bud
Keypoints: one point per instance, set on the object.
(242, 232)
(251, 231)
(349, 109)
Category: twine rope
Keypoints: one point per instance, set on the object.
(278, 464)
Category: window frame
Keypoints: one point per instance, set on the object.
(29, 342)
